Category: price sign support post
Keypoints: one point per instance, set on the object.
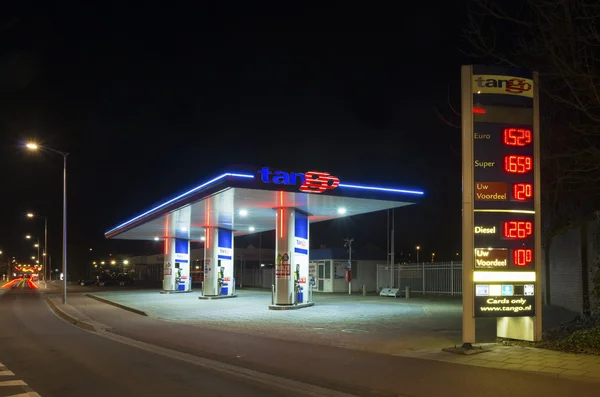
(501, 219)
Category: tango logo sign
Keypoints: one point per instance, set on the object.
(310, 182)
(301, 243)
(507, 85)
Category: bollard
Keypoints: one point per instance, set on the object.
(364, 290)
(272, 294)
(407, 292)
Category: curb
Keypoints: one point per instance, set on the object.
(66, 317)
(108, 302)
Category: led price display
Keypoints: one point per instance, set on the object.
(522, 256)
(522, 191)
(500, 202)
(517, 137)
(518, 164)
(517, 229)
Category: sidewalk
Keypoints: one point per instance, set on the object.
(559, 364)
(177, 335)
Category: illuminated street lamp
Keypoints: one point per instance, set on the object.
(34, 146)
(37, 245)
(33, 215)
(113, 262)
(418, 249)
(126, 262)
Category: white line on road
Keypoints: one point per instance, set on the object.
(28, 391)
(292, 386)
(13, 383)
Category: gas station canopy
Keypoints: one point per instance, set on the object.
(244, 202)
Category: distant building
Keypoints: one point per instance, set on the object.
(254, 267)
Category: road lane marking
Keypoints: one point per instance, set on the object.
(13, 383)
(292, 386)
(26, 390)
(289, 385)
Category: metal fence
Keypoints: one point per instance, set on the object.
(425, 278)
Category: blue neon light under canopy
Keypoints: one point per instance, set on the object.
(250, 176)
(380, 189)
(205, 184)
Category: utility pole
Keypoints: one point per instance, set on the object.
(348, 244)
(393, 258)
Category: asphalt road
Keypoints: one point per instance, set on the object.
(56, 359)
(357, 372)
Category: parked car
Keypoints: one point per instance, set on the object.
(86, 282)
(121, 279)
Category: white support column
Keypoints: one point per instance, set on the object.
(218, 262)
(177, 265)
(292, 254)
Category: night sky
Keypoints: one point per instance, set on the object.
(151, 101)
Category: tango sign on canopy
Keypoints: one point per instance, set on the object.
(310, 182)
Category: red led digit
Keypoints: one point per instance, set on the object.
(522, 256)
(517, 136)
(517, 164)
(518, 229)
(522, 191)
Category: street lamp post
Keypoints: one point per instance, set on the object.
(1, 267)
(36, 245)
(35, 146)
(45, 250)
(422, 270)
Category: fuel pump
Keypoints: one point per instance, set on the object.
(297, 284)
(220, 278)
(177, 275)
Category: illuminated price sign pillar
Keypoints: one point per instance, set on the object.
(501, 202)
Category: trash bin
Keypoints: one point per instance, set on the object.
(225, 289)
(301, 295)
(181, 286)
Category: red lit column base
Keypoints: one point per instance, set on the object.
(218, 262)
(176, 270)
(291, 257)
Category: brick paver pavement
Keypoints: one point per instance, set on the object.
(554, 363)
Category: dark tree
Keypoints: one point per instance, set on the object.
(559, 39)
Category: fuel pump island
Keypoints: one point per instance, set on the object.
(253, 200)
